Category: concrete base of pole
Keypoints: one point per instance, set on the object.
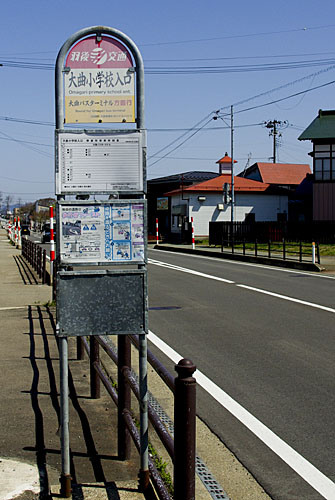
(65, 485)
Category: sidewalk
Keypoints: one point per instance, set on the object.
(30, 459)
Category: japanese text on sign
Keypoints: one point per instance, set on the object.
(99, 162)
(112, 232)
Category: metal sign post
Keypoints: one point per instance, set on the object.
(100, 176)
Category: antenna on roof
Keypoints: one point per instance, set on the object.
(247, 164)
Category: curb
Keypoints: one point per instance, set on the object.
(305, 266)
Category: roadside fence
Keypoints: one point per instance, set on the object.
(285, 250)
(37, 258)
(181, 448)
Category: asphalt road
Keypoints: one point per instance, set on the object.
(266, 337)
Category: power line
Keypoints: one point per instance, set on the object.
(234, 58)
(247, 68)
(287, 97)
(281, 87)
(23, 143)
(245, 35)
(29, 122)
(25, 180)
(195, 70)
(181, 144)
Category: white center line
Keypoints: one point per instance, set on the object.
(286, 297)
(259, 290)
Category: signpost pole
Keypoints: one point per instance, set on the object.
(109, 233)
(65, 478)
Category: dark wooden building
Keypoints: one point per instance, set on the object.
(322, 134)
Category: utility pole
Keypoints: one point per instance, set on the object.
(275, 126)
(232, 167)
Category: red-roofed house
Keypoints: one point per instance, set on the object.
(206, 202)
(286, 175)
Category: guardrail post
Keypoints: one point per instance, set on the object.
(284, 250)
(269, 249)
(124, 396)
(80, 349)
(243, 246)
(300, 251)
(318, 252)
(41, 261)
(256, 248)
(53, 276)
(44, 267)
(94, 376)
(184, 431)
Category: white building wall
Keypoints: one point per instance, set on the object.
(265, 207)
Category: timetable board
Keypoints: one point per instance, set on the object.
(95, 162)
(102, 233)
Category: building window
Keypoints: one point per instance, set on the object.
(324, 162)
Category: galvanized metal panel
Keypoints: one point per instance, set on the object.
(101, 302)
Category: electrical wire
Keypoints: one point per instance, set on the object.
(287, 97)
(194, 70)
(24, 144)
(245, 35)
(181, 144)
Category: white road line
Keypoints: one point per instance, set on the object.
(291, 299)
(321, 483)
(189, 271)
(259, 290)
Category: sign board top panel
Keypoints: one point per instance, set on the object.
(100, 85)
(108, 53)
(99, 162)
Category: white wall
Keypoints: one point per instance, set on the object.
(264, 206)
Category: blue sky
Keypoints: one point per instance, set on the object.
(239, 41)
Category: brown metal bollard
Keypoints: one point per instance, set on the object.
(184, 431)
(124, 397)
(80, 349)
(94, 376)
(44, 267)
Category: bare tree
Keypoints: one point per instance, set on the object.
(8, 201)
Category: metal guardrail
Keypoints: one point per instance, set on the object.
(36, 256)
(285, 250)
(181, 449)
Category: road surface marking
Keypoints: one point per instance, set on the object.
(291, 299)
(321, 483)
(259, 290)
(189, 271)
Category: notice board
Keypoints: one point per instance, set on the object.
(110, 232)
(96, 162)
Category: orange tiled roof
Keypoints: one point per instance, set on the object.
(283, 173)
(240, 184)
